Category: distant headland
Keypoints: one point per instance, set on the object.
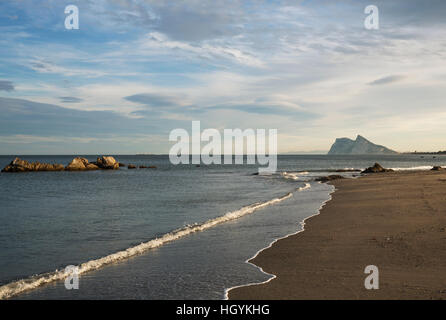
(359, 146)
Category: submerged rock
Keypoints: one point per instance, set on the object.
(376, 169)
(330, 178)
(348, 170)
(19, 165)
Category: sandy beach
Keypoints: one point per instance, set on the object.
(395, 221)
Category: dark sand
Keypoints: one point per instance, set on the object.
(396, 221)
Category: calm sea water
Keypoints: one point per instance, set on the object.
(49, 220)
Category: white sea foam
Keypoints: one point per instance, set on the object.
(293, 175)
(17, 287)
(305, 187)
(413, 168)
(290, 175)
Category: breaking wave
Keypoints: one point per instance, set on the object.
(305, 187)
(413, 168)
(17, 287)
(293, 175)
(290, 175)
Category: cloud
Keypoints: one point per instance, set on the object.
(414, 11)
(278, 109)
(152, 100)
(42, 66)
(192, 21)
(24, 117)
(386, 80)
(6, 85)
(70, 99)
(213, 20)
(211, 52)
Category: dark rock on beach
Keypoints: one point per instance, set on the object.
(376, 169)
(19, 165)
(330, 178)
(437, 168)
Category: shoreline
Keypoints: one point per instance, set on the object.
(273, 276)
(324, 263)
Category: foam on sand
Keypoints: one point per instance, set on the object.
(421, 168)
(17, 287)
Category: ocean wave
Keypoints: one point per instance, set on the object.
(17, 287)
(289, 175)
(293, 175)
(305, 187)
(413, 168)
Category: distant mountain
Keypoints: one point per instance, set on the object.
(359, 146)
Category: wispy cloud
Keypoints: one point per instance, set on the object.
(151, 99)
(70, 99)
(387, 80)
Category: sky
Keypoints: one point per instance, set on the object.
(135, 70)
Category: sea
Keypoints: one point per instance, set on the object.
(171, 232)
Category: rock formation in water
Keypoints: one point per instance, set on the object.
(107, 163)
(359, 146)
(19, 165)
(77, 164)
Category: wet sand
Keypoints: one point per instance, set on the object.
(395, 221)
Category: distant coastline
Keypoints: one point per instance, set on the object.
(416, 152)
